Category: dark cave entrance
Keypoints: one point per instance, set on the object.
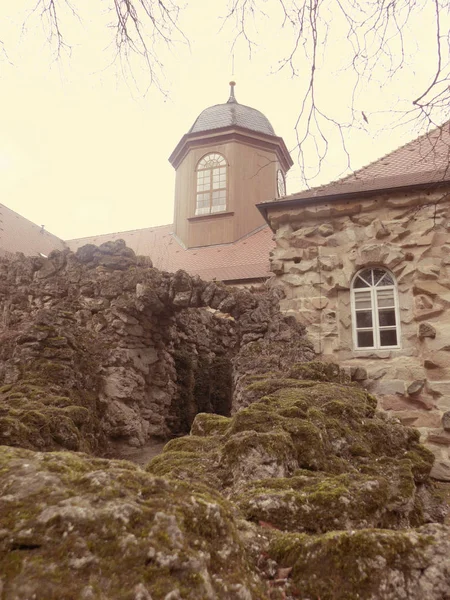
(204, 385)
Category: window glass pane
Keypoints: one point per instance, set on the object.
(364, 318)
(386, 317)
(202, 200)
(359, 283)
(218, 197)
(365, 339)
(210, 161)
(388, 337)
(385, 298)
(218, 208)
(386, 280)
(378, 275)
(202, 211)
(363, 300)
(366, 275)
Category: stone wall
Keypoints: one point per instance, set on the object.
(143, 350)
(319, 249)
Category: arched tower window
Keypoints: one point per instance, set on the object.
(211, 185)
(375, 314)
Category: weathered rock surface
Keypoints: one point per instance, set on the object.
(285, 500)
(305, 492)
(97, 347)
(79, 528)
(312, 455)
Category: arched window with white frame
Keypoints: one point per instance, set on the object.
(211, 185)
(375, 311)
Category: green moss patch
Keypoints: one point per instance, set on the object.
(352, 565)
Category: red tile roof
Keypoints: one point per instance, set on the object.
(18, 234)
(248, 258)
(423, 161)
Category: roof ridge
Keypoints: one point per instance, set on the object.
(86, 237)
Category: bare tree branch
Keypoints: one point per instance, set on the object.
(378, 44)
(139, 26)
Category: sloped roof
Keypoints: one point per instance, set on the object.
(232, 114)
(18, 234)
(425, 160)
(248, 258)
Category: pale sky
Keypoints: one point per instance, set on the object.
(84, 150)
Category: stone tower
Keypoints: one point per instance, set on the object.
(229, 161)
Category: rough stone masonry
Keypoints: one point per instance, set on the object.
(127, 352)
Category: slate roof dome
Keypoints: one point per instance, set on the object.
(232, 114)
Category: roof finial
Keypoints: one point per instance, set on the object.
(232, 98)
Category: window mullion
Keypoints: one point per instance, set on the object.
(376, 321)
(210, 188)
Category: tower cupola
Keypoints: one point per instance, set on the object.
(229, 161)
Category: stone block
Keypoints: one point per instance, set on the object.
(304, 266)
(290, 254)
(380, 230)
(294, 280)
(123, 383)
(325, 230)
(426, 330)
(430, 364)
(417, 239)
(358, 373)
(424, 315)
(390, 386)
(419, 418)
(394, 402)
(330, 262)
(441, 470)
(401, 201)
(434, 289)
(362, 220)
(446, 420)
(319, 303)
(438, 436)
(428, 272)
(423, 302)
(277, 267)
(415, 387)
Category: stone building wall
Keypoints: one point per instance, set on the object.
(320, 247)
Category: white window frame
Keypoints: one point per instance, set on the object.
(208, 180)
(375, 312)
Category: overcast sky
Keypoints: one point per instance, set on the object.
(84, 150)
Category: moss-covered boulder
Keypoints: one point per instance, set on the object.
(310, 456)
(51, 400)
(306, 493)
(75, 527)
(368, 564)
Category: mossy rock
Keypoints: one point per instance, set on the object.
(33, 417)
(367, 564)
(77, 527)
(367, 471)
(317, 502)
(206, 424)
(319, 371)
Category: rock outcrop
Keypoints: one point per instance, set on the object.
(306, 493)
(99, 347)
(290, 486)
